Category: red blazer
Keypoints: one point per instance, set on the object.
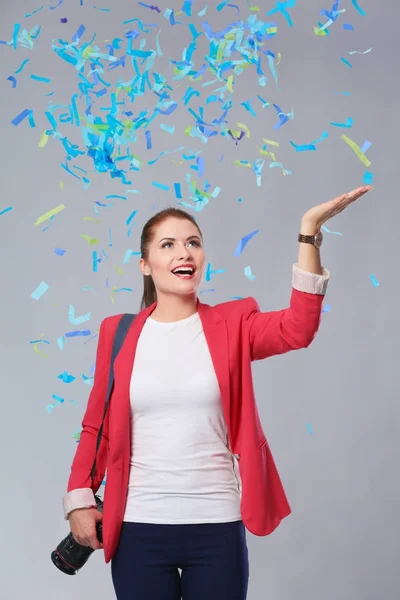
(237, 333)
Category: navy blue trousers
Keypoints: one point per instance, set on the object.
(213, 558)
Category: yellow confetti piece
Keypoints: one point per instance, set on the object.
(91, 219)
(245, 128)
(279, 56)
(62, 185)
(271, 142)
(90, 240)
(220, 51)
(229, 84)
(356, 149)
(87, 51)
(319, 31)
(36, 349)
(267, 153)
(254, 8)
(242, 163)
(49, 214)
(43, 140)
(272, 29)
(119, 271)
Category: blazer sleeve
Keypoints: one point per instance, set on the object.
(80, 489)
(292, 328)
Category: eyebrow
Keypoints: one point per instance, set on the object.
(174, 239)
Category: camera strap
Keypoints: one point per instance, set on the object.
(119, 338)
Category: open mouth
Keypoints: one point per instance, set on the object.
(184, 272)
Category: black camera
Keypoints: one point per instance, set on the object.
(69, 556)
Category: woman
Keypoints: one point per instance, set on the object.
(188, 465)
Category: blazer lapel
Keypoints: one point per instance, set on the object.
(216, 333)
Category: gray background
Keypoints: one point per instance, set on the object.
(341, 477)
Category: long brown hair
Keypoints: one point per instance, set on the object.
(149, 290)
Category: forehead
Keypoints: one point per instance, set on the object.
(176, 228)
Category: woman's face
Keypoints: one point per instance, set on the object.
(176, 242)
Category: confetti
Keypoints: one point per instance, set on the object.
(244, 241)
(311, 146)
(49, 214)
(160, 186)
(57, 5)
(5, 210)
(34, 12)
(374, 281)
(22, 66)
(356, 149)
(43, 79)
(357, 7)
(40, 290)
(17, 120)
(13, 80)
(346, 62)
(248, 273)
(66, 377)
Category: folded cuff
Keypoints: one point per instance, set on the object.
(312, 283)
(81, 498)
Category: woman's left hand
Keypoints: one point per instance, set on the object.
(316, 216)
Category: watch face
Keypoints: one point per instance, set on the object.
(318, 239)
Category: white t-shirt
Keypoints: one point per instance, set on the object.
(181, 468)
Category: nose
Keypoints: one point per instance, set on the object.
(183, 253)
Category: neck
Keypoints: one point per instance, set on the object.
(171, 308)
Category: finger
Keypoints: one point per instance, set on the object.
(358, 192)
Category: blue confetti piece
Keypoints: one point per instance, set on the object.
(34, 12)
(244, 241)
(348, 27)
(367, 179)
(78, 333)
(17, 120)
(66, 377)
(5, 210)
(365, 146)
(17, 27)
(40, 290)
(248, 272)
(43, 79)
(58, 398)
(59, 251)
(102, 9)
(326, 308)
(210, 272)
(57, 5)
(76, 37)
(358, 7)
(348, 123)
(13, 80)
(116, 196)
(77, 320)
(160, 186)
(22, 66)
(177, 188)
(148, 140)
(374, 281)
(94, 262)
(309, 428)
(346, 62)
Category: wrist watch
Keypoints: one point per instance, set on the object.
(316, 239)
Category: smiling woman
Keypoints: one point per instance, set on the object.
(188, 465)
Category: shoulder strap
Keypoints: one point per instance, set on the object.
(119, 338)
